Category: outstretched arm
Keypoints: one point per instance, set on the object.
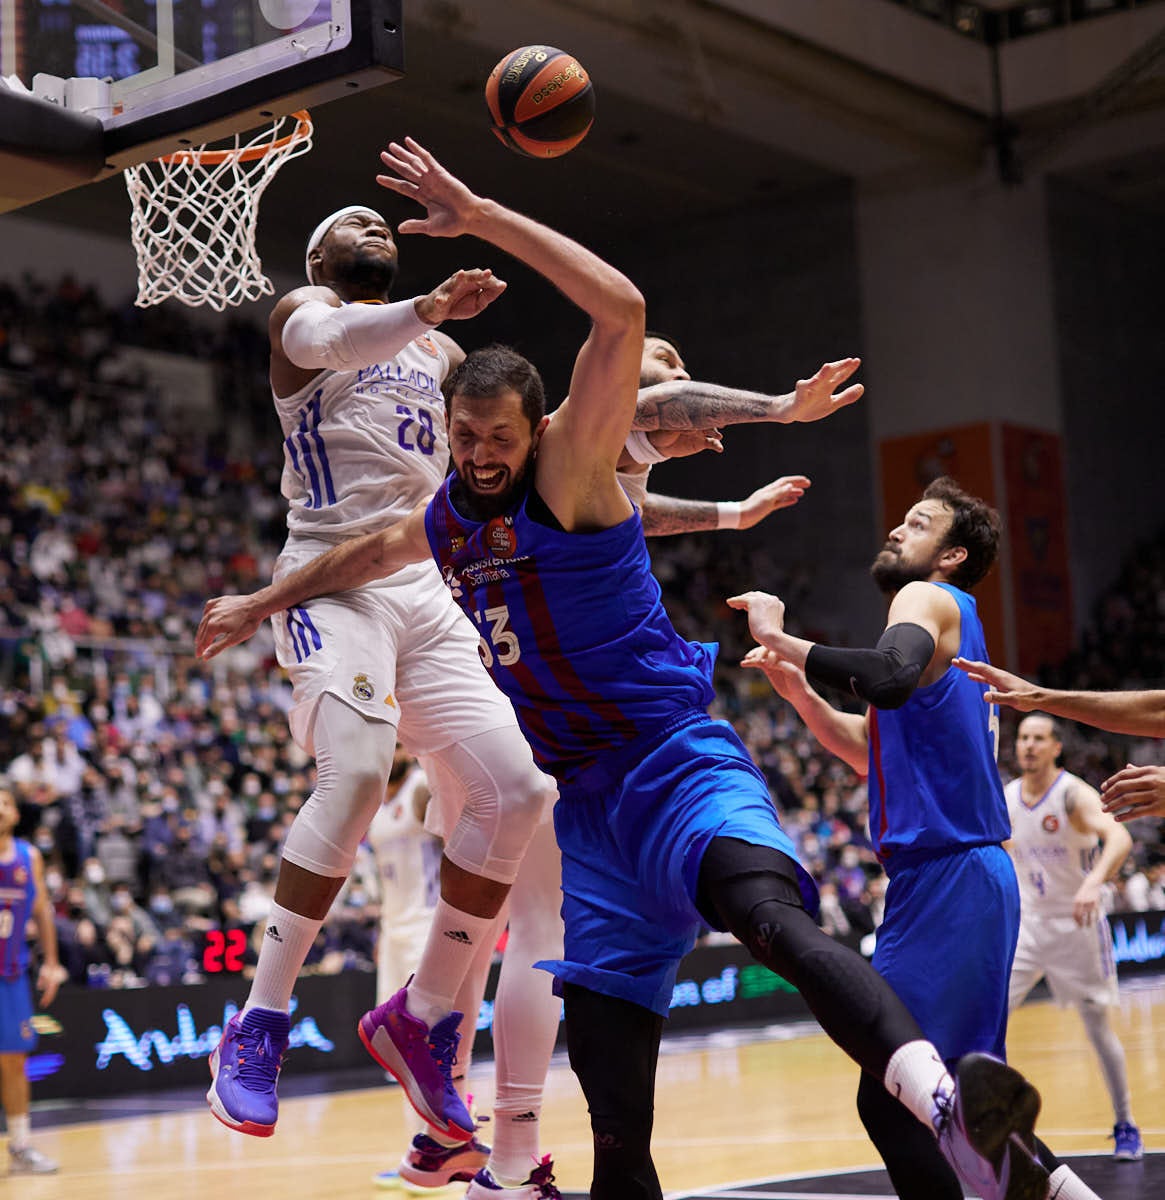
(914, 649)
(312, 330)
(664, 515)
(1141, 714)
(229, 620)
(843, 734)
(584, 441)
(690, 404)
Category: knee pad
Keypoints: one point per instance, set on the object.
(353, 761)
(505, 798)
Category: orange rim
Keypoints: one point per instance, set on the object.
(303, 129)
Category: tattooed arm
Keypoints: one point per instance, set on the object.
(663, 515)
(690, 404)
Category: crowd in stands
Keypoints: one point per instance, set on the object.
(159, 789)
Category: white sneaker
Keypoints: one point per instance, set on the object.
(28, 1161)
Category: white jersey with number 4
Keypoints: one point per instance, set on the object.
(1051, 855)
(361, 449)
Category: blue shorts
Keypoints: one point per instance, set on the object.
(16, 1034)
(946, 946)
(631, 855)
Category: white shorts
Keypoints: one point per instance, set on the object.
(398, 650)
(1076, 959)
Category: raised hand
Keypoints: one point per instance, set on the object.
(766, 614)
(1134, 792)
(817, 398)
(781, 493)
(419, 176)
(226, 621)
(788, 681)
(463, 295)
(1005, 688)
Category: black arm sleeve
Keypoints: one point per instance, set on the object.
(885, 676)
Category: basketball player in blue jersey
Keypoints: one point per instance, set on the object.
(663, 821)
(938, 818)
(22, 895)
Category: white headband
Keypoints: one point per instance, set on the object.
(320, 231)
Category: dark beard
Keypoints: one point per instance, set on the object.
(891, 574)
(369, 273)
(484, 508)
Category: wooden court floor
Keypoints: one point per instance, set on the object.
(729, 1108)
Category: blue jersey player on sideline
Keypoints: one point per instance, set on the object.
(928, 746)
(662, 820)
(22, 895)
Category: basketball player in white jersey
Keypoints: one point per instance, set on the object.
(1065, 848)
(356, 384)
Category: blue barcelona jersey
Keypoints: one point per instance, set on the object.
(933, 783)
(17, 892)
(572, 629)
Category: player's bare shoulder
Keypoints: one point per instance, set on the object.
(453, 351)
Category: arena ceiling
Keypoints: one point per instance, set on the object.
(705, 107)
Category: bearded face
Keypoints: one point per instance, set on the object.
(913, 549)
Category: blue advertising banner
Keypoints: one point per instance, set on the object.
(98, 1042)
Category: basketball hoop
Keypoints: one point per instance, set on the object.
(194, 217)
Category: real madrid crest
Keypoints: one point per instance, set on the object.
(362, 688)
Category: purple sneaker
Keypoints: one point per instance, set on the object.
(988, 1132)
(244, 1067)
(1129, 1147)
(428, 1164)
(421, 1061)
(539, 1185)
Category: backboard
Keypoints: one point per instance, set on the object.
(119, 83)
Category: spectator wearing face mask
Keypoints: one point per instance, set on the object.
(95, 892)
(123, 904)
(162, 911)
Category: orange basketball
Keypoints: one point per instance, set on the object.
(540, 101)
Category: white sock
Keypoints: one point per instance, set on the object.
(918, 1077)
(1065, 1184)
(287, 940)
(517, 1120)
(18, 1132)
(454, 939)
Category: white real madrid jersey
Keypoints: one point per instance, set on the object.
(1051, 855)
(407, 857)
(361, 449)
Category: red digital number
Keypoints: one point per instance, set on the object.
(224, 951)
(213, 953)
(236, 948)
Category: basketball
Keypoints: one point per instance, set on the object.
(540, 101)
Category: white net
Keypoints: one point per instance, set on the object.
(194, 216)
